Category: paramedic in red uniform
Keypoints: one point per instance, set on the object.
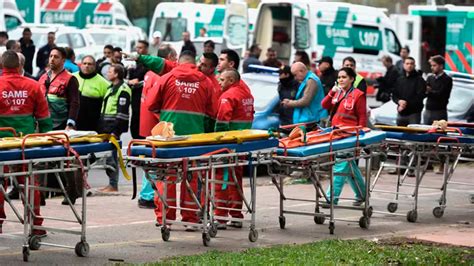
(184, 97)
(235, 112)
(22, 106)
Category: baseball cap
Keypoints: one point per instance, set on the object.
(326, 59)
(284, 69)
(157, 34)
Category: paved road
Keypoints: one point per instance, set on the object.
(119, 231)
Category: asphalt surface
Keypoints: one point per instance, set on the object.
(119, 231)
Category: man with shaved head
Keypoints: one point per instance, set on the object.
(234, 112)
(22, 59)
(307, 103)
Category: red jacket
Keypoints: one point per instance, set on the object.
(235, 108)
(22, 103)
(185, 97)
(352, 110)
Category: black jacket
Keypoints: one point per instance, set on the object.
(189, 46)
(386, 84)
(328, 78)
(287, 89)
(28, 50)
(441, 87)
(42, 56)
(411, 88)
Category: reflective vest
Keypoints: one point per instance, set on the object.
(111, 101)
(358, 79)
(56, 96)
(314, 112)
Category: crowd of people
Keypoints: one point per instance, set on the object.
(197, 93)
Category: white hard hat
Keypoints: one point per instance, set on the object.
(157, 34)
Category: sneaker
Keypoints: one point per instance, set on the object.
(221, 226)
(64, 202)
(40, 233)
(191, 228)
(411, 174)
(235, 224)
(108, 189)
(42, 200)
(14, 194)
(358, 202)
(146, 204)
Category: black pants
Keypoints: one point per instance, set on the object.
(135, 121)
(431, 115)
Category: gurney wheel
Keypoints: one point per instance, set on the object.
(34, 242)
(82, 249)
(26, 254)
(253, 235)
(165, 233)
(369, 213)
(331, 228)
(212, 230)
(282, 221)
(364, 222)
(319, 219)
(206, 238)
(438, 212)
(412, 216)
(392, 207)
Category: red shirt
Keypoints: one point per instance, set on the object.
(352, 110)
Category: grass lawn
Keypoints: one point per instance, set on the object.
(328, 252)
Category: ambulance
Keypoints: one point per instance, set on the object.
(227, 25)
(11, 17)
(445, 30)
(330, 29)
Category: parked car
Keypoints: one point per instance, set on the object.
(68, 36)
(460, 102)
(264, 88)
(124, 37)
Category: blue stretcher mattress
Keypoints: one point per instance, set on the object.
(182, 152)
(346, 143)
(426, 137)
(467, 130)
(54, 151)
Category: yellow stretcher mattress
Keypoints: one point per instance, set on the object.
(15, 142)
(234, 136)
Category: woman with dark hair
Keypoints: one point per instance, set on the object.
(347, 107)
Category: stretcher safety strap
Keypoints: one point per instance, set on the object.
(114, 141)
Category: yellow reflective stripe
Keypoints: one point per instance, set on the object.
(114, 141)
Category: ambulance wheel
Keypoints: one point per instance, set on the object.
(392, 207)
(438, 212)
(319, 219)
(331, 228)
(369, 213)
(82, 249)
(253, 235)
(206, 238)
(412, 216)
(212, 230)
(282, 221)
(364, 222)
(165, 233)
(34, 242)
(26, 254)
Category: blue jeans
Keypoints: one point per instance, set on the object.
(340, 180)
(113, 174)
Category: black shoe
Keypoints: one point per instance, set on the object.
(146, 204)
(14, 194)
(73, 201)
(42, 200)
(411, 174)
(358, 202)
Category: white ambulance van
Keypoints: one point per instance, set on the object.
(445, 30)
(11, 16)
(172, 19)
(330, 29)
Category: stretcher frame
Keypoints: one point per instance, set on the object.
(40, 166)
(447, 150)
(314, 167)
(205, 166)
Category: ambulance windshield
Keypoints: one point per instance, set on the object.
(171, 28)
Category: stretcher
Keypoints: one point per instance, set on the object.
(414, 151)
(315, 160)
(46, 154)
(200, 156)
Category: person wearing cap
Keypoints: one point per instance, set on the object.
(287, 88)
(155, 43)
(328, 75)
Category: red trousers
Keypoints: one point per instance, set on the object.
(36, 208)
(186, 201)
(228, 196)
